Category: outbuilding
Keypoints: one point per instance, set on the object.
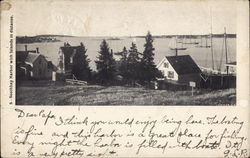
(181, 69)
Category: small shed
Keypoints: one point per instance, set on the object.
(181, 68)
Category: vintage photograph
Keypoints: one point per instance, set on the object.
(120, 53)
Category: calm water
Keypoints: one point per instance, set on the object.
(202, 56)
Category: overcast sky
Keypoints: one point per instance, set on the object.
(124, 18)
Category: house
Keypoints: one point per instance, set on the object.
(32, 64)
(70, 57)
(180, 69)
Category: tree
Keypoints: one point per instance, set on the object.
(80, 67)
(123, 64)
(148, 68)
(133, 62)
(106, 65)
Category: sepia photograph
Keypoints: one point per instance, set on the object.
(124, 78)
(120, 53)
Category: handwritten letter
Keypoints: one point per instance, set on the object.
(77, 135)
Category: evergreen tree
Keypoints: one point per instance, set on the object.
(133, 63)
(80, 67)
(123, 65)
(148, 68)
(106, 65)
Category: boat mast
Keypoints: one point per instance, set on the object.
(206, 41)
(225, 39)
(181, 42)
(176, 49)
(201, 41)
(211, 39)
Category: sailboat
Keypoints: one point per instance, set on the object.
(190, 41)
(175, 47)
(216, 78)
(207, 46)
(201, 45)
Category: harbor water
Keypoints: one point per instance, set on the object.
(201, 55)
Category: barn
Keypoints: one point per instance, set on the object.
(30, 64)
(180, 69)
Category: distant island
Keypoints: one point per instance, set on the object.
(190, 36)
(53, 38)
(114, 38)
(38, 38)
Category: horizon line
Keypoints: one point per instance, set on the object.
(125, 35)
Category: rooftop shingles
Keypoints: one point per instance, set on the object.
(183, 64)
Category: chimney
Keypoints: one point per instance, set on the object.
(111, 51)
(37, 50)
(25, 47)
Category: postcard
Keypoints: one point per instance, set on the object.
(124, 78)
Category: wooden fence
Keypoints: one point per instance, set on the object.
(78, 82)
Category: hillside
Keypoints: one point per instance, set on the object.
(63, 94)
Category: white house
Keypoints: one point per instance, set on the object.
(32, 64)
(180, 68)
(41, 68)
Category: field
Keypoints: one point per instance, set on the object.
(58, 93)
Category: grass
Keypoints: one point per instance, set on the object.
(55, 93)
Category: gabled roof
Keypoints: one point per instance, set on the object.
(183, 64)
(21, 56)
(31, 58)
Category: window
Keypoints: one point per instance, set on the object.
(166, 65)
(170, 74)
(162, 72)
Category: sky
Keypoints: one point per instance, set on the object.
(124, 18)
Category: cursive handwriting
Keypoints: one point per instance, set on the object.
(76, 135)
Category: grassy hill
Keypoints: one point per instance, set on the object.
(51, 93)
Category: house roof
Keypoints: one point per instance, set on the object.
(25, 58)
(32, 57)
(183, 64)
(69, 50)
(232, 63)
(21, 56)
